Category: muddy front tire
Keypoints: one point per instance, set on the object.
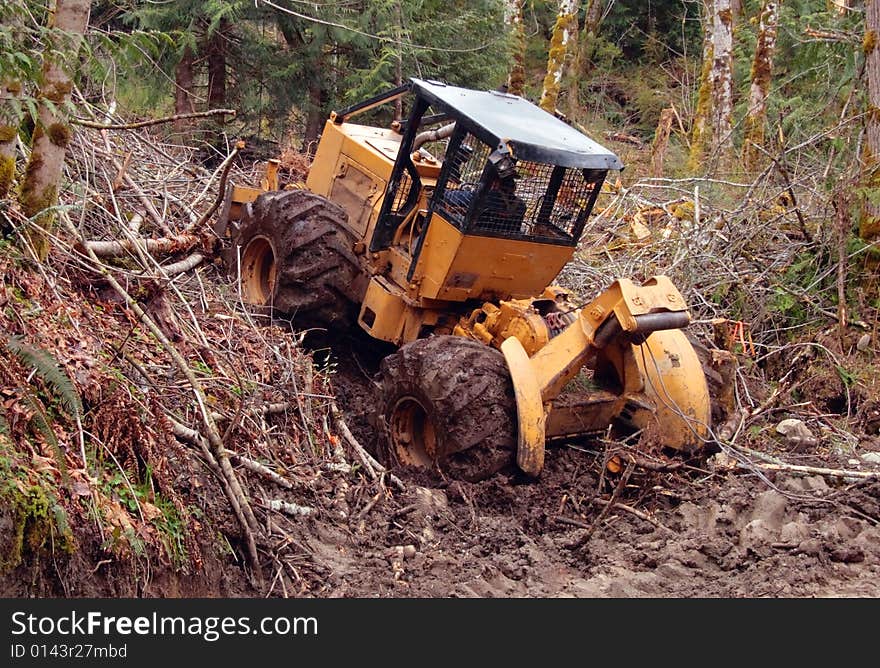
(446, 403)
(293, 254)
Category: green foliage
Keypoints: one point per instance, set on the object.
(846, 377)
(36, 517)
(653, 31)
(20, 55)
(336, 52)
(170, 525)
(814, 71)
(56, 381)
(49, 371)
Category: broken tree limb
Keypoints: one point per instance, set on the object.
(174, 244)
(153, 121)
(120, 175)
(607, 504)
(815, 470)
(634, 512)
(292, 509)
(372, 467)
(184, 265)
(340, 464)
(221, 188)
(779, 163)
(371, 504)
(611, 502)
(740, 458)
(132, 184)
(237, 498)
(262, 470)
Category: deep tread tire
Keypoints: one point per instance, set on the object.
(465, 392)
(318, 281)
(718, 379)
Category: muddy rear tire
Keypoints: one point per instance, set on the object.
(719, 368)
(296, 258)
(447, 403)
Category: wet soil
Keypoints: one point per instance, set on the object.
(669, 527)
(700, 530)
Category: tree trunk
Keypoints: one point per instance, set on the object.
(52, 134)
(736, 9)
(869, 220)
(583, 50)
(183, 92)
(217, 66)
(314, 118)
(513, 18)
(10, 119)
(661, 141)
(762, 70)
(10, 110)
(566, 25)
(722, 77)
(699, 130)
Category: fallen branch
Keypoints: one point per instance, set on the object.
(262, 470)
(573, 522)
(608, 505)
(372, 467)
(741, 454)
(372, 503)
(841, 206)
(815, 470)
(184, 265)
(292, 509)
(617, 489)
(130, 182)
(221, 188)
(105, 249)
(154, 121)
(120, 175)
(235, 493)
(340, 464)
(660, 467)
(635, 512)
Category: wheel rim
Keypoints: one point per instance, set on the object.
(413, 437)
(258, 271)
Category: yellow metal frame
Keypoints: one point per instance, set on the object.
(454, 267)
(669, 375)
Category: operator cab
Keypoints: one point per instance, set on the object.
(509, 169)
(484, 195)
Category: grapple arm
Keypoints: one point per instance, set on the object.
(624, 315)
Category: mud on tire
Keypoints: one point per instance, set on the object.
(447, 403)
(296, 257)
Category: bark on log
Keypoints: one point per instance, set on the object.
(167, 245)
(762, 71)
(42, 180)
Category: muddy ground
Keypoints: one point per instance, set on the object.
(701, 530)
(667, 527)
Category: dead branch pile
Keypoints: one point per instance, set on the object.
(775, 257)
(186, 393)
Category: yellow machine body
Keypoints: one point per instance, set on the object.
(498, 291)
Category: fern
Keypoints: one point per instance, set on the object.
(41, 421)
(50, 372)
(53, 376)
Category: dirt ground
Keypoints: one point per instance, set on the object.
(667, 527)
(701, 530)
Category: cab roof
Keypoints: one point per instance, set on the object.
(534, 134)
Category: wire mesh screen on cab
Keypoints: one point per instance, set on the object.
(540, 203)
